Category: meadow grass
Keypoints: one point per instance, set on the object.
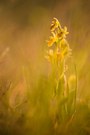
(48, 104)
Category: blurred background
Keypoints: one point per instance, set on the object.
(24, 29)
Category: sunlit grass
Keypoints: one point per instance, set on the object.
(45, 104)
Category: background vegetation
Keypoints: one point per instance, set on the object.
(25, 83)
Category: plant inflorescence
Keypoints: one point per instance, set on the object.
(57, 54)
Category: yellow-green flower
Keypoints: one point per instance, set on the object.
(63, 43)
(53, 39)
(57, 32)
(61, 49)
(64, 47)
(63, 32)
(55, 24)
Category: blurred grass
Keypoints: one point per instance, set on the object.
(25, 89)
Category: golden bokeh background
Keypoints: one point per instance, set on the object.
(24, 29)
